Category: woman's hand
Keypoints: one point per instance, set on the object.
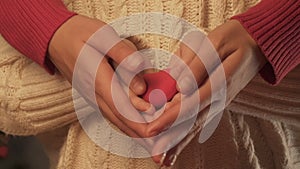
(64, 50)
(241, 60)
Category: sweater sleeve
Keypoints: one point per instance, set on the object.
(28, 25)
(274, 25)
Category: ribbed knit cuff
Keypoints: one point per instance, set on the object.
(274, 25)
(28, 25)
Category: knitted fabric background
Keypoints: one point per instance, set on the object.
(260, 129)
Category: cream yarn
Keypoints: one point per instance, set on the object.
(260, 129)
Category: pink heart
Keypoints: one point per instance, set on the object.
(161, 88)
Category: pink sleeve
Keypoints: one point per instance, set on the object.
(28, 25)
(275, 26)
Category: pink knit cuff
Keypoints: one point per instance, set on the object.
(28, 25)
(274, 25)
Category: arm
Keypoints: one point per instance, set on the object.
(274, 25)
(29, 26)
(265, 39)
(38, 27)
(268, 31)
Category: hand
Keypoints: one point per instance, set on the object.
(138, 102)
(241, 60)
(64, 50)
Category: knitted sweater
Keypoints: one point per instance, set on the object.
(272, 23)
(33, 102)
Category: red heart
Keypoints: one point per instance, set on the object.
(161, 88)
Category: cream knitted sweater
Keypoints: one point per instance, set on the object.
(259, 129)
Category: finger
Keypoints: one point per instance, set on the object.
(179, 60)
(107, 41)
(186, 68)
(233, 75)
(112, 93)
(122, 52)
(138, 85)
(132, 79)
(135, 81)
(89, 75)
(186, 53)
(140, 104)
(232, 64)
(204, 60)
(146, 143)
(175, 113)
(210, 93)
(137, 102)
(191, 77)
(107, 113)
(84, 81)
(182, 108)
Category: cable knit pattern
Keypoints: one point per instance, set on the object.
(270, 102)
(260, 129)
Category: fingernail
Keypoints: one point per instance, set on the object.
(187, 85)
(151, 110)
(174, 72)
(134, 62)
(138, 87)
(149, 118)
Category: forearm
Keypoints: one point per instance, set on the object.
(29, 26)
(274, 25)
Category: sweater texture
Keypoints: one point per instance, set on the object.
(274, 25)
(259, 129)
